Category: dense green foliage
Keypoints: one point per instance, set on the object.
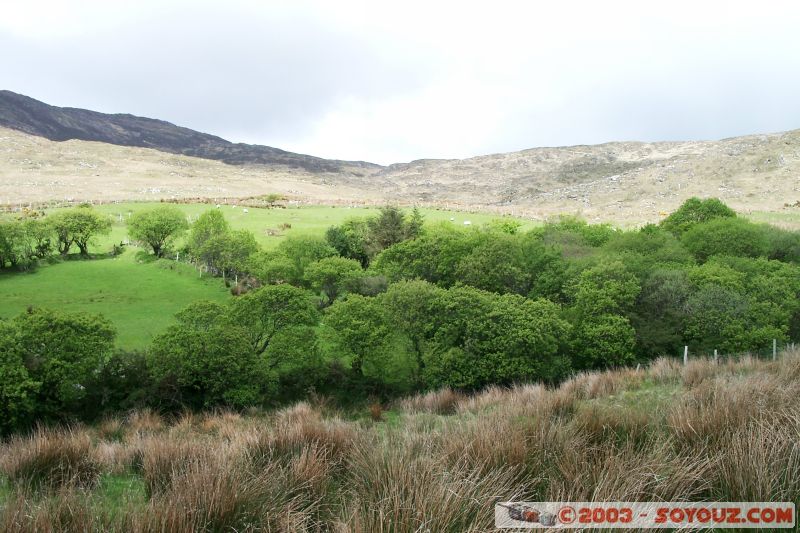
(48, 359)
(29, 238)
(331, 276)
(388, 305)
(78, 226)
(24, 241)
(157, 228)
(485, 338)
(224, 251)
(204, 360)
(696, 211)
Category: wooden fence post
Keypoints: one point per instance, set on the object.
(716, 357)
(685, 355)
(774, 349)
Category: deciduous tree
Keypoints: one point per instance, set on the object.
(157, 227)
(78, 226)
(265, 312)
(330, 276)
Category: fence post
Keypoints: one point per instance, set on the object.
(685, 355)
(774, 349)
(716, 357)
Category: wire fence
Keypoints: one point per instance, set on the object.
(769, 351)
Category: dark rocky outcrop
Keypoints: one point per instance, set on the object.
(31, 116)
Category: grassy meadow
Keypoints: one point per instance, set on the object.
(432, 462)
(141, 297)
(269, 225)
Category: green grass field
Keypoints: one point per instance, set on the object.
(788, 219)
(141, 298)
(265, 223)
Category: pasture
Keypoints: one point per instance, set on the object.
(271, 225)
(141, 297)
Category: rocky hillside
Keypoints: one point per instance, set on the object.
(31, 116)
(613, 181)
(624, 182)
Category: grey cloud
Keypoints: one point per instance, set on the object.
(271, 75)
(241, 76)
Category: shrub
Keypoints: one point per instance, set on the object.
(726, 236)
(494, 339)
(17, 389)
(203, 361)
(62, 352)
(695, 211)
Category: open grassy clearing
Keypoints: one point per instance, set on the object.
(432, 462)
(788, 218)
(140, 298)
(266, 224)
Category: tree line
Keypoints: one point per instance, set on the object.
(32, 237)
(389, 305)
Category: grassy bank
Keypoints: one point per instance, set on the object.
(139, 297)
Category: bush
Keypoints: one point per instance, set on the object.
(603, 341)
(486, 338)
(122, 383)
(206, 368)
(726, 236)
(62, 352)
(17, 389)
(695, 211)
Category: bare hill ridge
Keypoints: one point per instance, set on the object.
(31, 116)
(626, 182)
(631, 179)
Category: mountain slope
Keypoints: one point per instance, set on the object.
(621, 182)
(612, 181)
(31, 116)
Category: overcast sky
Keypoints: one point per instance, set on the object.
(395, 81)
